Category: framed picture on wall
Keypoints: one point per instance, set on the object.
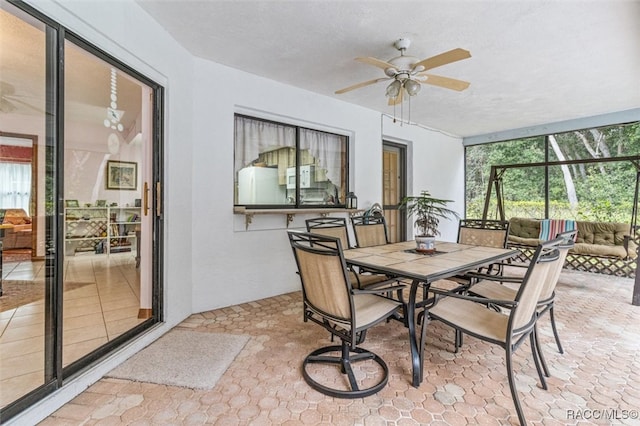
(122, 175)
(71, 203)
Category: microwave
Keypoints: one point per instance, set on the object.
(307, 177)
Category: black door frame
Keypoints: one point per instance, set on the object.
(402, 220)
(54, 374)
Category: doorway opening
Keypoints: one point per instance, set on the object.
(394, 189)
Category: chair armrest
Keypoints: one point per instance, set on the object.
(363, 270)
(504, 303)
(501, 278)
(381, 287)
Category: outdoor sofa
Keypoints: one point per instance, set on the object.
(600, 246)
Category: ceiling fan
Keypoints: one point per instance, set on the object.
(10, 101)
(408, 72)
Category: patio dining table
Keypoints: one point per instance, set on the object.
(403, 261)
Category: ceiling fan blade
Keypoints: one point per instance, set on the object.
(6, 106)
(28, 105)
(442, 59)
(375, 62)
(6, 88)
(359, 85)
(398, 99)
(446, 82)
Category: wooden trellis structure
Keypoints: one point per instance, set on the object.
(601, 264)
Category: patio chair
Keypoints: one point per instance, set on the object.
(337, 227)
(487, 233)
(370, 230)
(330, 301)
(469, 314)
(331, 227)
(491, 289)
(479, 232)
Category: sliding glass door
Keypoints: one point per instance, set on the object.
(26, 200)
(79, 167)
(106, 128)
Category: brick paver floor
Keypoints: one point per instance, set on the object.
(596, 381)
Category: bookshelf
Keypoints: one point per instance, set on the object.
(100, 230)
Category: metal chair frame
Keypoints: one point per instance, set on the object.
(547, 297)
(490, 227)
(360, 222)
(323, 270)
(522, 314)
(330, 226)
(337, 227)
(494, 225)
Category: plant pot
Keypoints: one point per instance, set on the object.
(426, 244)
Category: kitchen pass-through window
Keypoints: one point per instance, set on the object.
(283, 166)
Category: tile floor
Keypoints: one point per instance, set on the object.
(597, 377)
(101, 301)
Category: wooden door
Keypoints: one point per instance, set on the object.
(394, 189)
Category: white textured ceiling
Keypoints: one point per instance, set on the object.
(533, 61)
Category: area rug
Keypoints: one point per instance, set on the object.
(18, 293)
(16, 255)
(183, 358)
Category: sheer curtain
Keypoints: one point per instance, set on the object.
(327, 150)
(255, 136)
(15, 186)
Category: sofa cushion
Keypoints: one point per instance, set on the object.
(594, 238)
(602, 233)
(524, 227)
(599, 250)
(15, 217)
(19, 236)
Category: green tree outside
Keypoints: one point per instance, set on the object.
(591, 192)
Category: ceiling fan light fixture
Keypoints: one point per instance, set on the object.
(412, 87)
(393, 89)
(408, 73)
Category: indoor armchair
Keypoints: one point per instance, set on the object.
(18, 234)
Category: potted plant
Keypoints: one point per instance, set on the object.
(428, 211)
